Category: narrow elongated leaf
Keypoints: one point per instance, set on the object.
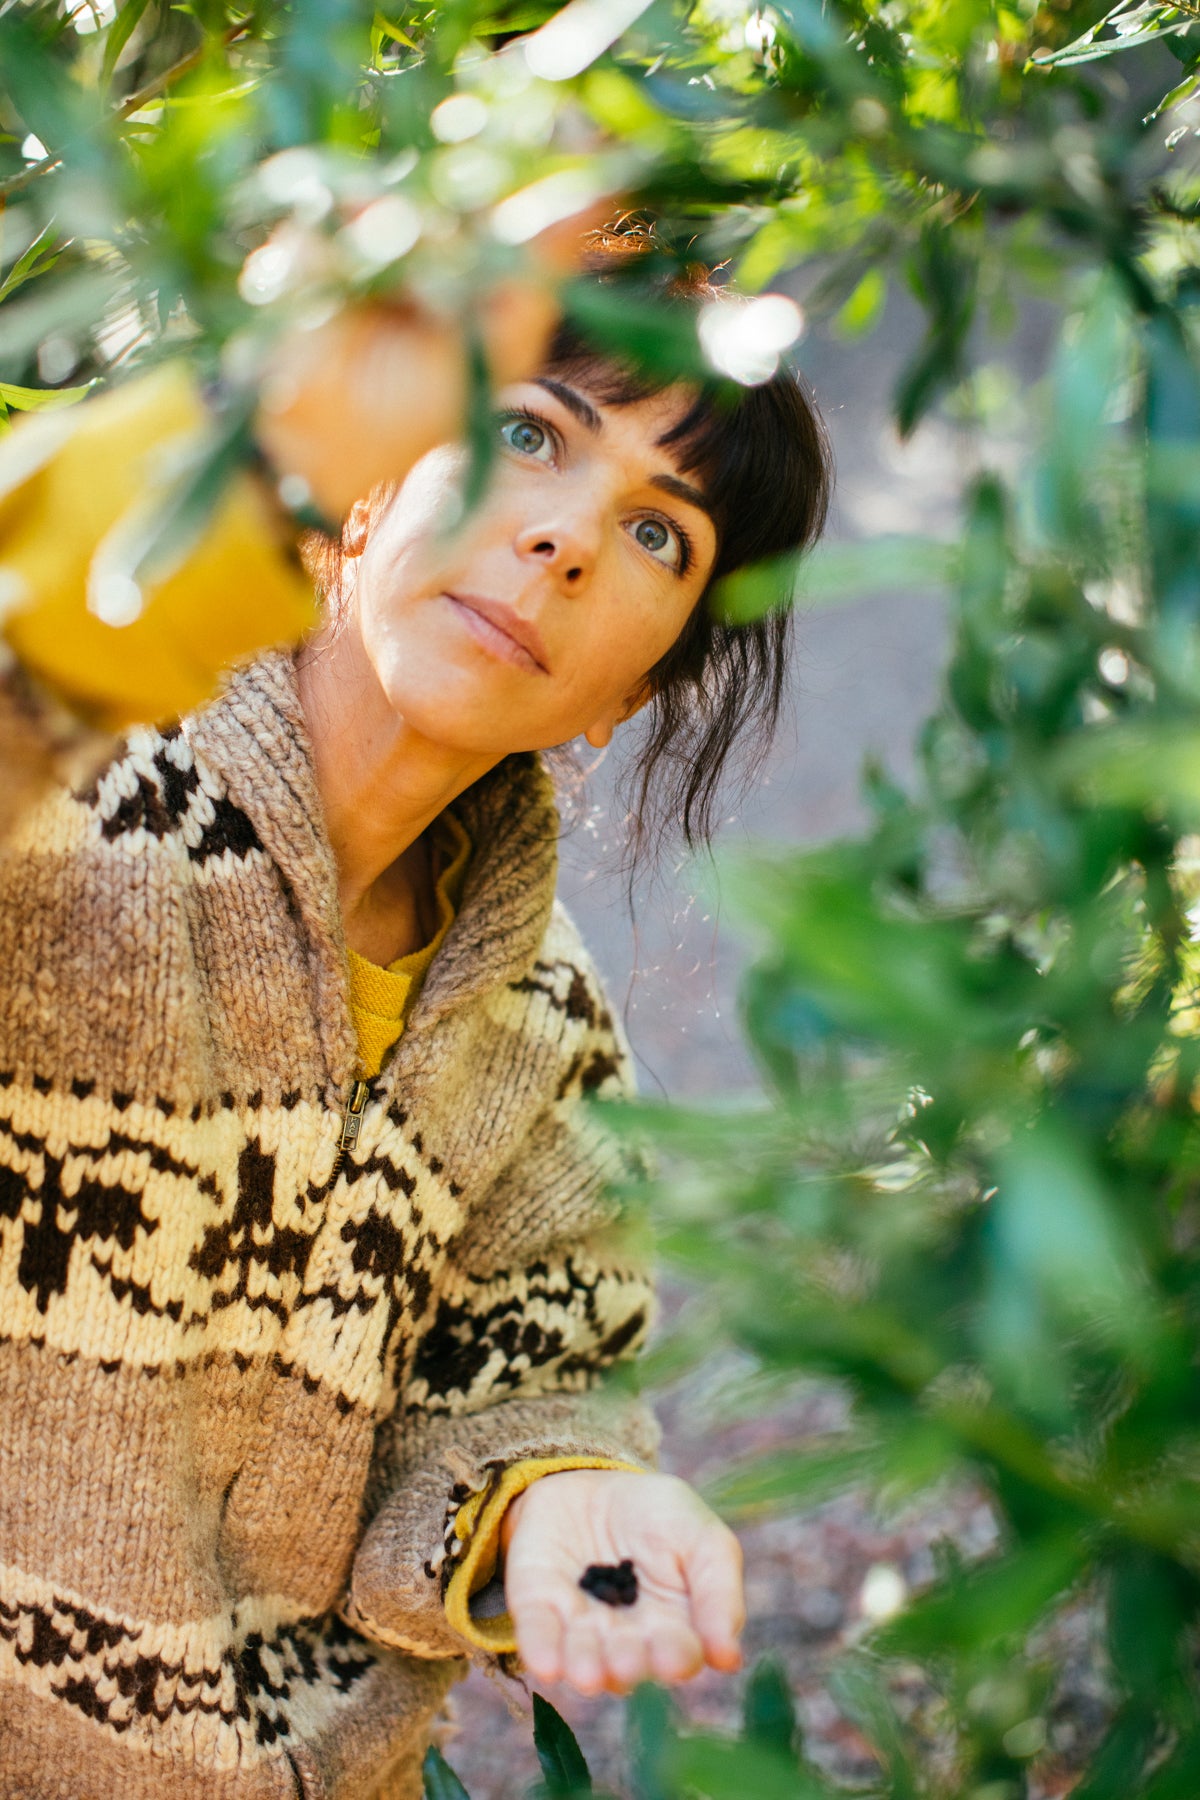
(721, 1769)
(23, 399)
(558, 1751)
(119, 34)
(651, 1728)
(860, 1691)
(37, 259)
(440, 1781)
(1005, 1597)
(790, 1478)
(768, 1710)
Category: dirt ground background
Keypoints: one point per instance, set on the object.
(866, 676)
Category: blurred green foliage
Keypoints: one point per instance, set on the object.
(969, 1193)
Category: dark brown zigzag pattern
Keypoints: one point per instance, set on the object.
(461, 1341)
(251, 1237)
(162, 802)
(567, 991)
(394, 1259)
(98, 1209)
(309, 1653)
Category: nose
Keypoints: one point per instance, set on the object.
(568, 547)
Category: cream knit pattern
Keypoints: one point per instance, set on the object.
(245, 1381)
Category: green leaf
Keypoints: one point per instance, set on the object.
(119, 34)
(387, 26)
(864, 309)
(858, 1688)
(23, 399)
(789, 1478)
(840, 574)
(440, 1781)
(558, 1752)
(651, 1728)
(1056, 1229)
(1004, 1598)
(834, 575)
(650, 334)
(1133, 27)
(755, 591)
(720, 1769)
(38, 259)
(768, 1710)
(481, 424)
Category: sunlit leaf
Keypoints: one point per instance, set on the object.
(23, 399)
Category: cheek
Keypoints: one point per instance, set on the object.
(430, 496)
(616, 649)
(410, 542)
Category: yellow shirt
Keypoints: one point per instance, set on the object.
(381, 999)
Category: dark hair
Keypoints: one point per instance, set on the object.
(761, 456)
(762, 459)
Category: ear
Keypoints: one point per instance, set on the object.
(356, 528)
(600, 734)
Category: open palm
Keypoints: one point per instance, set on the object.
(689, 1608)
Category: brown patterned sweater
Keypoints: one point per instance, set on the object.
(246, 1379)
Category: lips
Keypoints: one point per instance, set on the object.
(499, 628)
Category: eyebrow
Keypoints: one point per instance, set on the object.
(573, 400)
(683, 490)
(582, 409)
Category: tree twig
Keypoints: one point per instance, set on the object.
(129, 106)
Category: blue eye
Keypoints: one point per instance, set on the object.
(652, 534)
(526, 436)
(664, 544)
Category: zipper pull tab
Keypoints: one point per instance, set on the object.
(353, 1116)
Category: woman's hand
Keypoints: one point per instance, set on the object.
(689, 1608)
(360, 398)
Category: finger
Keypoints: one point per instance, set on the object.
(539, 1632)
(583, 1665)
(627, 1655)
(561, 246)
(714, 1578)
(676, 1653)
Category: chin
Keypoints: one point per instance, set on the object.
(460, 709)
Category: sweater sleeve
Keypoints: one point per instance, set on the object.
(78, 660)
(515, 1374)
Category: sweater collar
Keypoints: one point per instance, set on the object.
(255, 738)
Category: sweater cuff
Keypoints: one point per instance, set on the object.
(477, 1529)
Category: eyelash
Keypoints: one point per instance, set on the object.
(552, 432)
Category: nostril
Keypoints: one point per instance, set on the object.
(544, 547)
(574, 574)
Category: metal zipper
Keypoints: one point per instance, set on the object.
(352, 1120)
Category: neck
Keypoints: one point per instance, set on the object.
(381, 783)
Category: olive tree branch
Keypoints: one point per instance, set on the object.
(125, 110)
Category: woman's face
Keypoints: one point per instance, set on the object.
(538, 616)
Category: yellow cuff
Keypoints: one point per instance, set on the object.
(478, 1527)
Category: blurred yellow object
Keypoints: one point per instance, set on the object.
(70, 482)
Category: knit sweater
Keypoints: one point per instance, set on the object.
(248, 1379)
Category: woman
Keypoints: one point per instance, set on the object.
(308, 1272)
